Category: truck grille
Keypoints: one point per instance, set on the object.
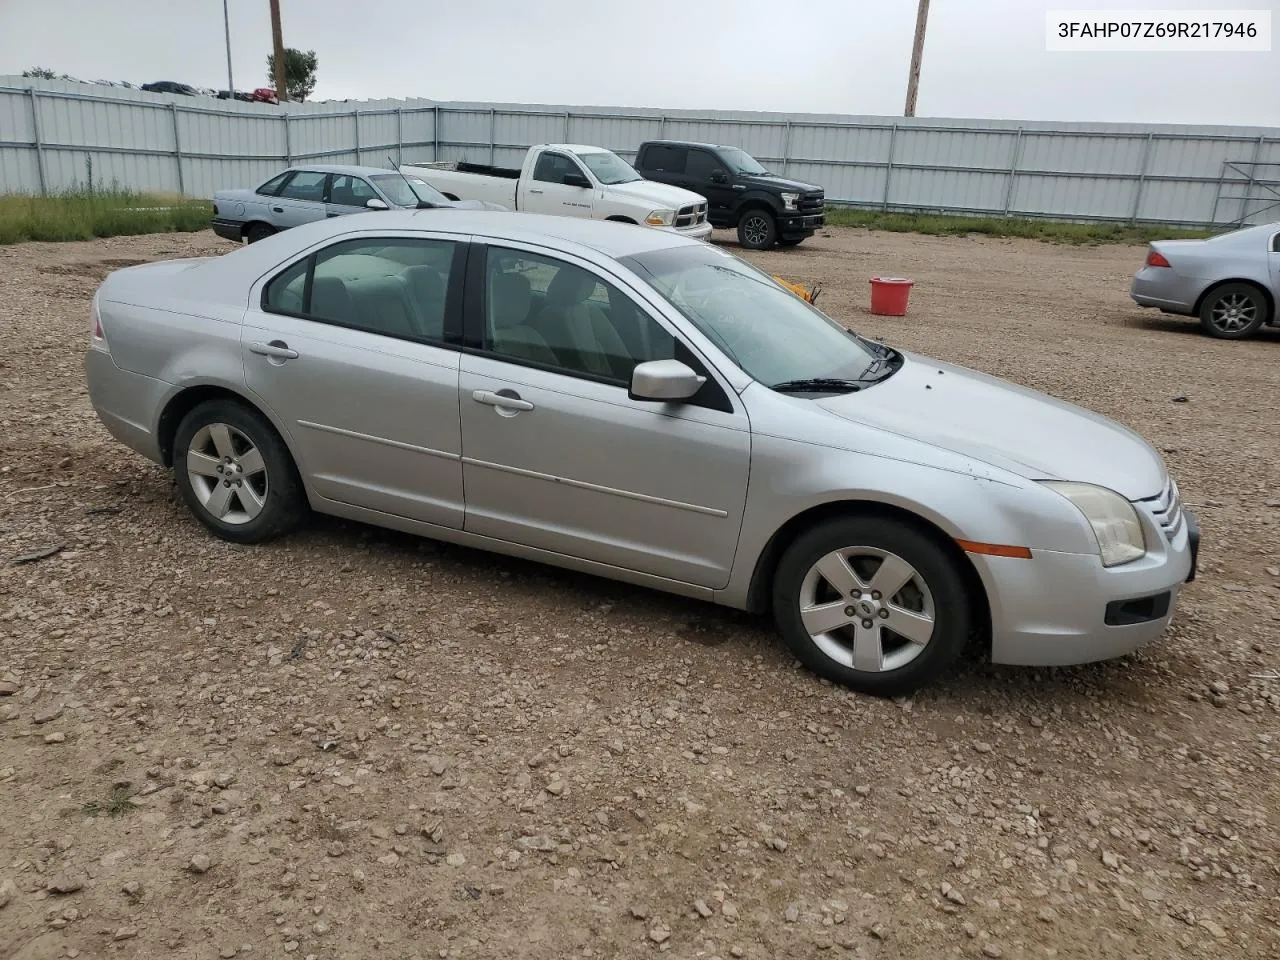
(811, 203)
(691, 215)
(1166, 509)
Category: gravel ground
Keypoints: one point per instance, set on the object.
(357, 744)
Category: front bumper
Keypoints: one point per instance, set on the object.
(227, 229)
(790, 224)
(1059, 609)
(701, 231)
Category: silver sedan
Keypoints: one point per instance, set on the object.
(1231, 281)
(645, 407)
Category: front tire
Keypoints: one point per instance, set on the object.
(1233, 311)
(757, 230)
(871, 603)
(235, 473)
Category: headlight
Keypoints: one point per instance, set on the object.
(789, 200)
(1115, 523)
(660, 218)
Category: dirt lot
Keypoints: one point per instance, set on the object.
(355, 744)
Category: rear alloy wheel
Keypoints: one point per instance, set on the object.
(757, 230)
(258, 231)
(235, 473)
(871, 603)
(1233, 311)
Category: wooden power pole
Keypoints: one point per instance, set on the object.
(917, 51)
(277, 39)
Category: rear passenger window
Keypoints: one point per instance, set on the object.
(665, 159)
(272, 186)
(305, 185)
(394, 286)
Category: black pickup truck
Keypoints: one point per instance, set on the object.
(765, 208)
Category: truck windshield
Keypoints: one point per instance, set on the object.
(409, 191)
(740, 162)
(608, 168)
(773, 335)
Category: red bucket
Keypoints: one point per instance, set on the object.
(889, 296)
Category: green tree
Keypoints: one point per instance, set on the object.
(299, 72)
(40, 73)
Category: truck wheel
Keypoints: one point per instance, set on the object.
(258, 231)
(757, 230)
(790, 241)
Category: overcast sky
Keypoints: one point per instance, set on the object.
(982, 59)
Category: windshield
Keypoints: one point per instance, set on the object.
(740, 162)
(608, 168)
(407, 191)
(773, 335)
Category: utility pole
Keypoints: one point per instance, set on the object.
(917, 51)
(226, 21)
(282, 92)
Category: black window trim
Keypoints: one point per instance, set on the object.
(453, 300)
(712, 395)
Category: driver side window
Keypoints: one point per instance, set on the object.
(553, 167)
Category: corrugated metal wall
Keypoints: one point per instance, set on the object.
(56, 135)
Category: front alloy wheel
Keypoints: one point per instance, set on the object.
(757, 230)
(872, 603)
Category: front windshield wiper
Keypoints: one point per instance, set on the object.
(818, 384)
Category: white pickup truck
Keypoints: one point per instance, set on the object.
(571, 180)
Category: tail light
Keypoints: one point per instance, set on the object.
(1156, 259)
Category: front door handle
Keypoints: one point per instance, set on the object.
(276, 348)
(531, 190)
(277, 209)
(500, 400)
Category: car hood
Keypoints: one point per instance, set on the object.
(656, 194)
(1006, 426)
(780, 183)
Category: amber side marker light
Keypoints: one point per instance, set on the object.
(995, 549)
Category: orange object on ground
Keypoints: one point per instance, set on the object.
(889, 295)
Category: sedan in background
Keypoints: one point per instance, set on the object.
(302, 194)
(1231, 281)
(647, 407)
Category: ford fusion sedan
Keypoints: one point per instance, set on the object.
(302, 194)
(647, 407)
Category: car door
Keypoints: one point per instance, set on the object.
(702, 169)
(299, 201)
(354, 350)
(1273, 260)
(547, 192)
(555, 454)
(349, 194)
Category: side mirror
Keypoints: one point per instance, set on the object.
(664, 380)
(719, 176)
(373, 203)
(576, 180)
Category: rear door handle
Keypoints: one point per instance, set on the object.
(276, 348)
(499, 400)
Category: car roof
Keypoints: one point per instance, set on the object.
(347, 168)
(577, 148)
(686, 143)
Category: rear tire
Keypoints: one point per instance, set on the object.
(757, 230)
(258, 231)
(1233, 311)
(871, 603)
(235, 474)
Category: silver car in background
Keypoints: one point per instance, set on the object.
(302, 194)
(1231, 281)
(646, 407)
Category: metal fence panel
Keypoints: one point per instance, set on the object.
(55, 135)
